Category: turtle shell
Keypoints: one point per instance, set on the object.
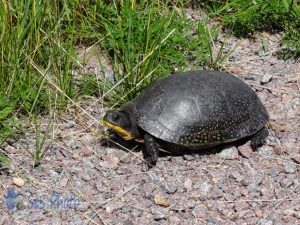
(198, 108)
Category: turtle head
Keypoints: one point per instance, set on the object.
(120, 122)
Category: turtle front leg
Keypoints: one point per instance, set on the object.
(150, 152)
(258, 139)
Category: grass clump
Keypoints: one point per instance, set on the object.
(32, 38)
(7, 119)
(7, 123)
(145, 43)
(246, 17)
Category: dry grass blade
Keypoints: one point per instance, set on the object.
(272, 89)
(278, 204)
(116, 197)
(277, 158)
(262, 200)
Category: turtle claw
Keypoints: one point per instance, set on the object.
(147, 164)
(259, 138)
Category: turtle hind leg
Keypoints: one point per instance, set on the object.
(258, 139)
(150, 152)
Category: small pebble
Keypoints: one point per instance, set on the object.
(258, 213)
(289, 167)
(160, 200)
(171, 188)
(86, 151)
(229, 153)
(188, 184)
(159, 216)
(266, 78)
(128, 222)
(237, 176)
(288, 212)
(266, 150)
(199, 211)
(268, 222)
(20, 202)
(205, 188)
(240, 205)
(189, 157)
(18, 181)
(245, 150)
(286, 182)
(10, 149)
(70, 124)
(297, 214)
(212, 219)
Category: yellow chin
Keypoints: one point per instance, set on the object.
(120, 131)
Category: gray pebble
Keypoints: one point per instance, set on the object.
(111, 207)
(266, 150)
(177, 159)
(289, 212)
(244, 213)
(268, 222)
(128, 222)
(199, 211)
(159, 216)
(211, 219)
(289, 167)
(240, 205)
(190, 204)
(20, 214)
(297, 214)
(266, 78)
(70, 124)
(205, 187)
(245, 150)
(189, 157)
(286, 182)
(87, 138)
(79, 183)
(229, 153)
(237, 176)
(232, 58)
(20, 202)
(215, 193)
(175, 220)
(170, 188)
(188, 183)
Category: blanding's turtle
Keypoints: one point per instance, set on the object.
(191, 110)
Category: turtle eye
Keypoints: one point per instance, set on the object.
(115, 117)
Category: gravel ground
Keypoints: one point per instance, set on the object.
(79, 181)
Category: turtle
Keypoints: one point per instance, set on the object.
(191, 110)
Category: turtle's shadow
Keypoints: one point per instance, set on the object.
(170, 150)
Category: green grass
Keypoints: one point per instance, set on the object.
(42, 140)
(244, 18)
(145, 43)
(7, 123)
